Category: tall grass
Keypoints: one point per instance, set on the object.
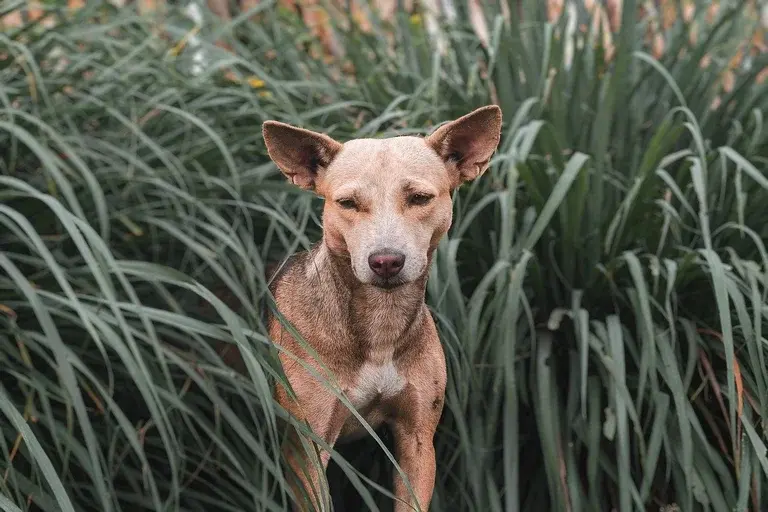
(601, 296)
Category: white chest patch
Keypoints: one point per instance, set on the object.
(374, 381)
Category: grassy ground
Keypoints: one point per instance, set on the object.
(601, 296)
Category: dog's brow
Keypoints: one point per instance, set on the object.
(344, 191)
(414, 185)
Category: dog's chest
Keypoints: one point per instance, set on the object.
(377, 380)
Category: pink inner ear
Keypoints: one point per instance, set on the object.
(473, 136)
(300, 154)
(302, 181)
(468, 143)
(466, 146)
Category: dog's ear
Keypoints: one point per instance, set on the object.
(467, 144)
(300, 154)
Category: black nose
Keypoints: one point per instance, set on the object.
(386, 263)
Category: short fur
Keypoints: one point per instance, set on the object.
(372, 331)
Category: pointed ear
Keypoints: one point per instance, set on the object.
(301, 155)
(467, 144)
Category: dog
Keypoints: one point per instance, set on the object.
(357, 297)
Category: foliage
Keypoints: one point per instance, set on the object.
(601, 296)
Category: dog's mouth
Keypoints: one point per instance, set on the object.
(388, 284)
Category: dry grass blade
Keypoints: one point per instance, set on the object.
(601, 297)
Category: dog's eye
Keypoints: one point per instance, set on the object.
(347, 204)
(419, 199)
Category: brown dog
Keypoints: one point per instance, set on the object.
(357, 297)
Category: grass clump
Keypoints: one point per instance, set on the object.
(601, 296)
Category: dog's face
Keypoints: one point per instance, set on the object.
(387, 201)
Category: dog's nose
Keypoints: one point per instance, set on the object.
(386, 263)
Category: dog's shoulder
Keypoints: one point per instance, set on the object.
(279, 273)
(288, 286)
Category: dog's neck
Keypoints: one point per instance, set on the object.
(380, 320)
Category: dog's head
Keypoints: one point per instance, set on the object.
(387, 201)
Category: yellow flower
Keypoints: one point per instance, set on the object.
(416, 19)
(256, 83)
(265, 94)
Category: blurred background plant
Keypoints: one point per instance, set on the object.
(601, 296)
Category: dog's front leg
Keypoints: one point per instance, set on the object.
(415, 452)
(326, 415)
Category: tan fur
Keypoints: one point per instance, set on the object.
(374, 334)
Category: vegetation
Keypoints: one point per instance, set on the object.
(602, 297)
